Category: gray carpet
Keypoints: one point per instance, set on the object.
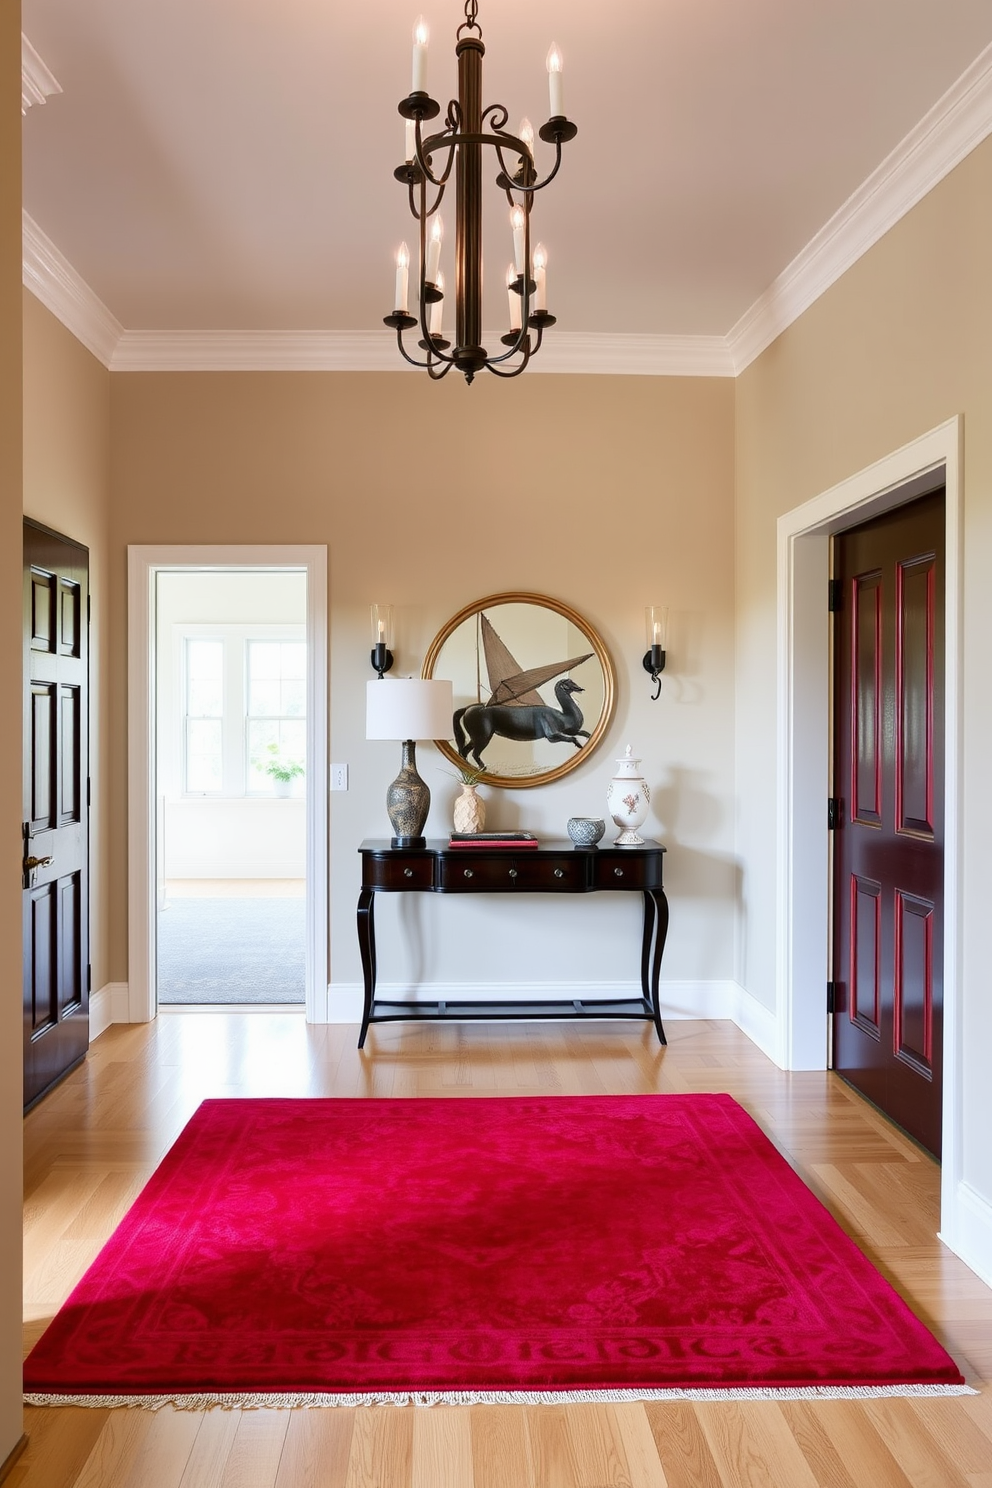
(231, 950)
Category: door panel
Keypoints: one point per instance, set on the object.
(888, 846)
(55, 816)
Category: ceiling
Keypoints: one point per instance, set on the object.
(226, 165)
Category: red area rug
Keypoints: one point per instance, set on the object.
(351, 1250)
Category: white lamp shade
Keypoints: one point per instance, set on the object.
(408, 708)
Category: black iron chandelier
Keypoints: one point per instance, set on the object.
(426, 173)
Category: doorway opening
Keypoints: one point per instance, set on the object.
(227, 718)
(231, 775)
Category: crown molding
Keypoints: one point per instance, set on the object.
(37, 81)
(52, 279)
(375, 351)
(958, 122)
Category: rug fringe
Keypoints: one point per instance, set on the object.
(283, 1401)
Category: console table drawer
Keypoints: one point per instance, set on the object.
(466, 870)
(402, 871)
(513, 871)
(633, 871)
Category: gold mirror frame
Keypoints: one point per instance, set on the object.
(597, 653)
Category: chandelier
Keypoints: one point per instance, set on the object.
(459, 147)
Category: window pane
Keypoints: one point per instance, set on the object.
(277, 679)
(204, 698)
(294, 660)
(205, 660)
(294, 699)
(204, 766)
(264, 699)
(263, 660)
(270, 740)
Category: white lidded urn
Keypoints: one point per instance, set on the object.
(627, 800)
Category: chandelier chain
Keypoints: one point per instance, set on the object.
(470, 22)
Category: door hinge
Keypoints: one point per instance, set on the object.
(833, 813)
(835, 595)
(831, 996)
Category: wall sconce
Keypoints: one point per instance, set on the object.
(656, 629)
(382, 633)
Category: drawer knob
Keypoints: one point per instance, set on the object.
(407, 872)
(513, 872)
(618, 872)
(559, 873)
(468, 873)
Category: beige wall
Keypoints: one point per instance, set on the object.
(900, 344)
(608, 493)
(66, 487)
(10, 745)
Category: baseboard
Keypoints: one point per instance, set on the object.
(759, 1023)
(108, 1005)
(12, 1458)
(970, 1234)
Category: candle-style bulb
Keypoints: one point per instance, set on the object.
(527, 135)
(513, 299)
(421, 35)
(434, 250)
(518, 219)
(554, 66)
(437, 310)
(402, 279)
(540, 277)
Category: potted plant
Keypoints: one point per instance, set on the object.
(282, 771)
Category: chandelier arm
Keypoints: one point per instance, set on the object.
(437, 376)
(405, 354)
(425, 148)
(514, 371)
(540, 185)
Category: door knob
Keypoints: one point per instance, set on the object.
(30, 863)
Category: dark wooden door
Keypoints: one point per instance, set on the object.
(889, 843)
(55, 816)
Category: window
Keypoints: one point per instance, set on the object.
(244, 693)
(204, 715)
(277, 707)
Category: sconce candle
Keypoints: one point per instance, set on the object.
(656, 627)
(382, 628)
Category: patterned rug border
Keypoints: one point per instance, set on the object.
(494, 1397)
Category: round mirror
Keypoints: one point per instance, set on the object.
(533, 688)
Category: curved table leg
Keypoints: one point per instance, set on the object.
(649, 919)
(661, 933)
(366, 943)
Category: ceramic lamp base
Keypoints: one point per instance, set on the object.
(408, 801)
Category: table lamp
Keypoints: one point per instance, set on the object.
(408, 709)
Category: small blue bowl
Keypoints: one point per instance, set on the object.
(585, 831)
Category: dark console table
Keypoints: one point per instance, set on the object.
(554, 867)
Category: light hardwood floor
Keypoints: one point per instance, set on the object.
(94, 1141)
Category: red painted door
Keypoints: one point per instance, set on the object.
(55, 814)
(889, 844)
